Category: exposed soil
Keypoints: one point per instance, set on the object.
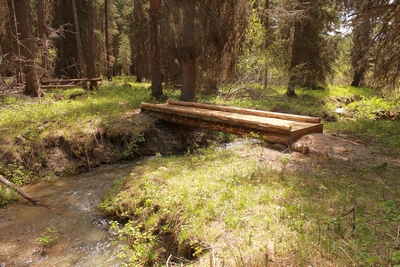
(58, 154)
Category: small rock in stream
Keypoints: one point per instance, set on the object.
(100, 221)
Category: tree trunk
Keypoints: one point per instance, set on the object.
(41, 14)
(266, 45)
(188, 90)
(361, 44)
(27, 47)
(15, 41)
(82, 71)
(295, 60)
(139, 41)
(357, 77)
(156, 70)
(19, 190)
(27, 196)
(91, 47)
(108, 70)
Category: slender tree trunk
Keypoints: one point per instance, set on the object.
(361, 45)
(90, 58)
(139, 41)
(19, 190)
(15, 41)
(27, 47)
(188, 90)
(106, 18)
(294, 62)
(156, 70)
(41, 14)
(82, 67)
(266, 45)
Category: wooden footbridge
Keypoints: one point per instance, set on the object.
(269, 126)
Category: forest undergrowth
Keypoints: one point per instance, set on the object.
(222, 205)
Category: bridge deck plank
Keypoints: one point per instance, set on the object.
(211, 117)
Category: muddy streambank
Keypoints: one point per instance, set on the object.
(64, 153)
(79, 236)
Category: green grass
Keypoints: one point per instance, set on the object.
(220, 207)
(29, 117)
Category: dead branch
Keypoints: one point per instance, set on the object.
(27, 196)
(19, 190)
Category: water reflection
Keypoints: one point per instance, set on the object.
(80, 242)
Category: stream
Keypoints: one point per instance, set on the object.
(83, 238)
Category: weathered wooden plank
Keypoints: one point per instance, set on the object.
(260, 113)
(215, 116)
(63, 81)
(273, 137)
(56, 86)
(275, 129)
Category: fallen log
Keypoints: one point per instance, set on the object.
(27, 196)
(260, 113)
(57, 86)
(19, 190)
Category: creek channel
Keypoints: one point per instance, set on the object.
(82, 238)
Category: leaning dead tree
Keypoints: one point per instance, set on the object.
(19, 190)
(28, 197)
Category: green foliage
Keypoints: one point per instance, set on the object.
(133, 145)
(49, 237)
(284, 162)
(17, 174)
(141, 243)
(6, 195)
(252, 60)
(34, 119)
(368, 109)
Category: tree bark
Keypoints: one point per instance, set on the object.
(188, 90)
(15, 41)
(19, 190)
(29, 197)
(41, 14)
(266, 44)
(156, 70)
(361, 44)
(139, 42)
(295, 61)
(82, 71)
(91, 47)
(27, 47)
(106, 19)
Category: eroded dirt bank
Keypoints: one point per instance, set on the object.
(60, 153)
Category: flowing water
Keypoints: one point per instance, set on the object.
(83, 238)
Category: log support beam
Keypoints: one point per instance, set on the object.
(269, 126)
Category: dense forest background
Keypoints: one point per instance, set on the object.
(203, 45)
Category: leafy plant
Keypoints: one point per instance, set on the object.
(18, 174)
(49, 237)
(134, 144)
(285, 162)
(6, 195)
